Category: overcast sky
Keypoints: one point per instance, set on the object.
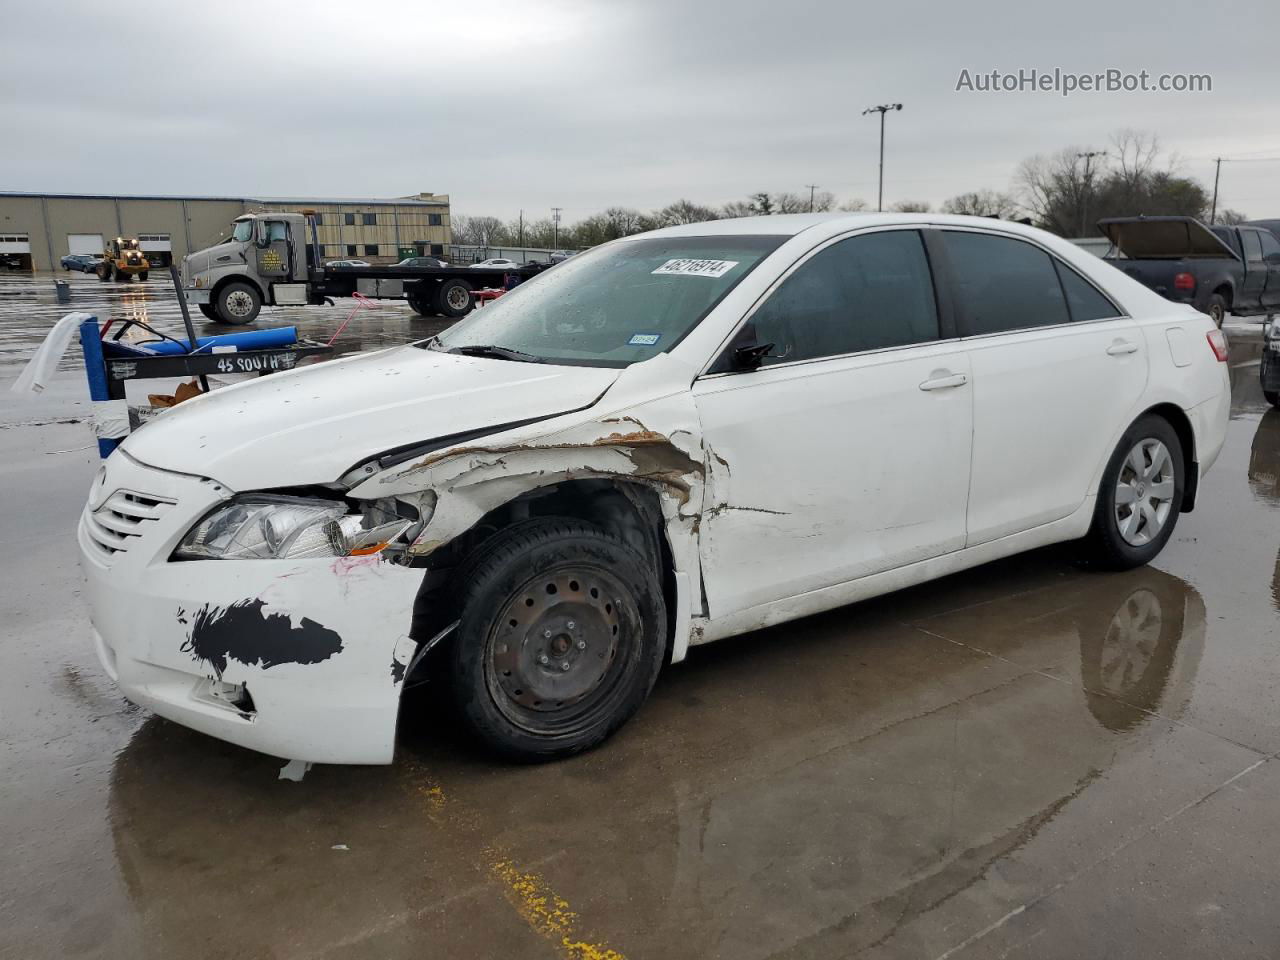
(584, 105)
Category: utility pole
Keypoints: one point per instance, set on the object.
(520, 235)
(812, 187)
(555, 221)
(1217, 170)
(1088, 188)
(882, 109)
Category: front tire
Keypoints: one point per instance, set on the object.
(238, 303)
(1140, 496)
(561, 634)
(142, 277)
(103, 273)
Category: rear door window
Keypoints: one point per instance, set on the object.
(1003, 284)
(864, 293)
(1083, 299)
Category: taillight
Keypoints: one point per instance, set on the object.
(1184, 281)
(1218, 344)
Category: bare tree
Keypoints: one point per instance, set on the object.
(911, 206)
(790, 203)
(855, 205)
(477, 231)
(1231, 218)
(823, 201)
(738, 208)
(982, 203)
(683, 211)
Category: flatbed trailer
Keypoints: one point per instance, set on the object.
(274, 259)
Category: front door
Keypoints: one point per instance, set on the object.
(847, 453)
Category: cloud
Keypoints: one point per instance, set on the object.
(522, 105)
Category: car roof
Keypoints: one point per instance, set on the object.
(792, 224)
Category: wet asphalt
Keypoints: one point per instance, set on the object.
(1025, 760)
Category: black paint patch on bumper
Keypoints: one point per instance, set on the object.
(243, 632)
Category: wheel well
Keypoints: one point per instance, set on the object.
(630, 511)
(1178, 419)
(236, 278)
(1225, 291)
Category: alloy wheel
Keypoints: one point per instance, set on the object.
(1144, 492)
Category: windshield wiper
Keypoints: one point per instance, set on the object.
(498, 353)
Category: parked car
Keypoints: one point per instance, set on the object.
(669, 439)
(498, 263)
(1218, 270)
(422, 262)
(84, 262)
(1269, 370)
(347, 263)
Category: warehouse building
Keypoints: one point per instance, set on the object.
(38, 229)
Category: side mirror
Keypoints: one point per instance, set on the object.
(262, 234)
(751, 356)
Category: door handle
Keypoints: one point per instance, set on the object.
(945, 382)
(1122, 347)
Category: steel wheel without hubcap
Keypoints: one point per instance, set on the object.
(457, 297)
(1144, 492)
(239, 303)
(557, 654)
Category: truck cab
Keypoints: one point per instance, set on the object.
(265, 260)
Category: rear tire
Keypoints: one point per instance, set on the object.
(1216, 307)
(1140, 496)
(237, 304)
(208, 311)
(454, 298)
(420, 303)
(142, 277)
(561, 635)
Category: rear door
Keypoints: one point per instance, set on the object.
(847, 453)
(1249, 293)
(1271, 259)
(1057, 369)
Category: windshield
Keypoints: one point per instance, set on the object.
(616, 305)
(243, 231)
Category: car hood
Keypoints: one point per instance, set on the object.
(311, 425)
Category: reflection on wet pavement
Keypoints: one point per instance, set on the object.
(1028, 760)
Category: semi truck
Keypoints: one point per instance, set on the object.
(274, 259)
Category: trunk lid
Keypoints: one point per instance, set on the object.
(1163, 238)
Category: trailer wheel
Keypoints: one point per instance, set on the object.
(421, 304)
(208, 311)
(238, 303)
(454, 298)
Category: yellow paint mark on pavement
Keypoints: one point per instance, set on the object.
(548, 914)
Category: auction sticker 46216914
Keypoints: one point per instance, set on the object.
(697, 268)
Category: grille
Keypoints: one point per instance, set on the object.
(117, 524)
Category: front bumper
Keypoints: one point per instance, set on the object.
(319, 645)
(197, 295)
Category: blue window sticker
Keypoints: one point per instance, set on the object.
(643, 339)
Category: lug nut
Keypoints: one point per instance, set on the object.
(564, 665)
(570, 624)
(544, 659)
(582, 644)
(547, 634)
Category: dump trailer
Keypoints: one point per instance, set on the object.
(274, 259)
(122, 260)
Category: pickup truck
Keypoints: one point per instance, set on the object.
(1218, 270)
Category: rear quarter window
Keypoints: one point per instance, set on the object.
(1003, 284)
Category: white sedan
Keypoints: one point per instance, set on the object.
(497, 263)
(667, 440)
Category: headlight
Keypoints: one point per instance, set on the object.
(268, 527)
